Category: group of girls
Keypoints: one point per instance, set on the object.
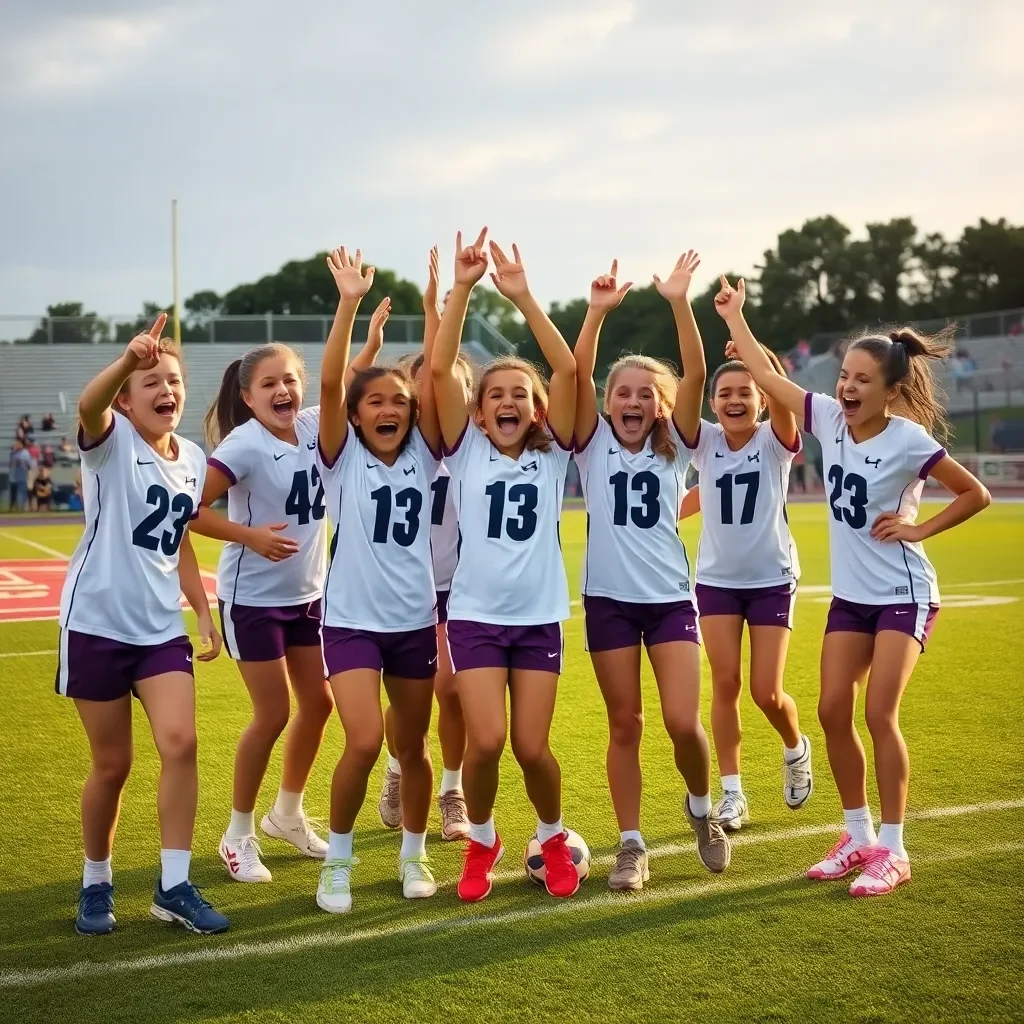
(445, 578)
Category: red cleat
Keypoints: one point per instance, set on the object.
(478, 871)
(560, 877)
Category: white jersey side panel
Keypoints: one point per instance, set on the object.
(510, 570)
(634, 552)
(883, 474)
(444, 528)
(380, 576)
(745, 541)
(122, 581)
(274, 482)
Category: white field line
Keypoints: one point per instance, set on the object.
(319, 940)
(25, 654)
(52, 552)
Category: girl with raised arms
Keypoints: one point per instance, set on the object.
(509, 594)
(121, 627)
(747, 570)
(378, 453)
(636, 576)
(878, 449)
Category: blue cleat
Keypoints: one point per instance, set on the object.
(184, 904)
(96, 910)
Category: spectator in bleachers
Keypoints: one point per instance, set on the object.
(42, 491)
(49, 423)
(75, 502)
(19, 468)
(67, 454)
(26, 432)
(47, 457)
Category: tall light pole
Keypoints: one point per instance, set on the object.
(174, 271)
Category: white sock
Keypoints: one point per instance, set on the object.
(339, 845)
(393, 765)
(860, 826)
(633, 834)
(451, 779)
(242, 824)
(792, 753)
(414, 844)
(174, 865)
(96, 871)
(731, 784)
(484, 833)
(547, 831)
(288, 804)
(700, 806)
(891, 837)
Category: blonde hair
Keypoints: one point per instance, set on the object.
(665, 384)
(537, 438)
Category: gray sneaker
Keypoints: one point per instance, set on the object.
(732, 811)
(797, 781)
(631, 870)
(390, 805)
(454, 817)
(713, 845)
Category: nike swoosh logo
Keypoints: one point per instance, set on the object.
(141, 463)
(433, 660)
(555, 655)
(277, 458)
(651, 456)
(311, 445)
(409, 471)
(613, 451)
(371, 465)
(719, 455)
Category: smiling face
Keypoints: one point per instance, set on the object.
(154, 399)
(383, 414)
(861, 389)
(507, 408)
(736, 401)
(275, 394)
(633, 404)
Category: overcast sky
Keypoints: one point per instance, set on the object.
(583, 129)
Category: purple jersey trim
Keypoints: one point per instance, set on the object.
(455, 447)
(577, 447)
(331, 463)
(931, 463)
(221, 468)
(808, 402)
(796, 448)
(686, 444)
(82, 446)
(437, 453)
(554, 437)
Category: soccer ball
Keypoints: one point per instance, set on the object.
(533, 861)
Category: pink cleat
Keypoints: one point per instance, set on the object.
(884, 872)
(843, 858)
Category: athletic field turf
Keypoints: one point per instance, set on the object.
(757, 944)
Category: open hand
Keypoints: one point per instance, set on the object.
(264, 540)
(433, 279)
(604, 291)
(890, 527)
(509, 275)
(348, 274)
(143, 350)
(375, 334)
(729, 300)
(209, 637)
(471, 261)
(676, 285)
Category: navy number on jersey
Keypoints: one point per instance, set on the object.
(438, 497)
(750, 482)
(298, 503)
(169, 540)
(403, 532)
(856, 512)
(523, 524)
(648, 512)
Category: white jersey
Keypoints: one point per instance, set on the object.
(745, 541)
(510, 570)
(444, 529)
(122, 581)
(633, 548)
(380, 576)
(884, 474)
(273, 481)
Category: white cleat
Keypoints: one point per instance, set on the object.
(242, 859)
(884, 872)
(334, 893)
(295, 830)
(797, 781)
(417, 878)
(732, 811)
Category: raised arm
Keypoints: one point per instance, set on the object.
(690, 392)
(98, 396)
(352, 286)
(783, 420)
(729, 304)
(428, 422)
(509, 278)
(367, 355)
(449, 392)
(604, 297)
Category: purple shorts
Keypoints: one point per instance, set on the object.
(484, 645)
(95, 668)
(612, 625)
(442, 606)
(915, 620)
(760, 606)
(411, 654)
(264, 634)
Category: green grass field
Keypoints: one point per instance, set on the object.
(757, 944)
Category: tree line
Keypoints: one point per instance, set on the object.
(816, 279)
